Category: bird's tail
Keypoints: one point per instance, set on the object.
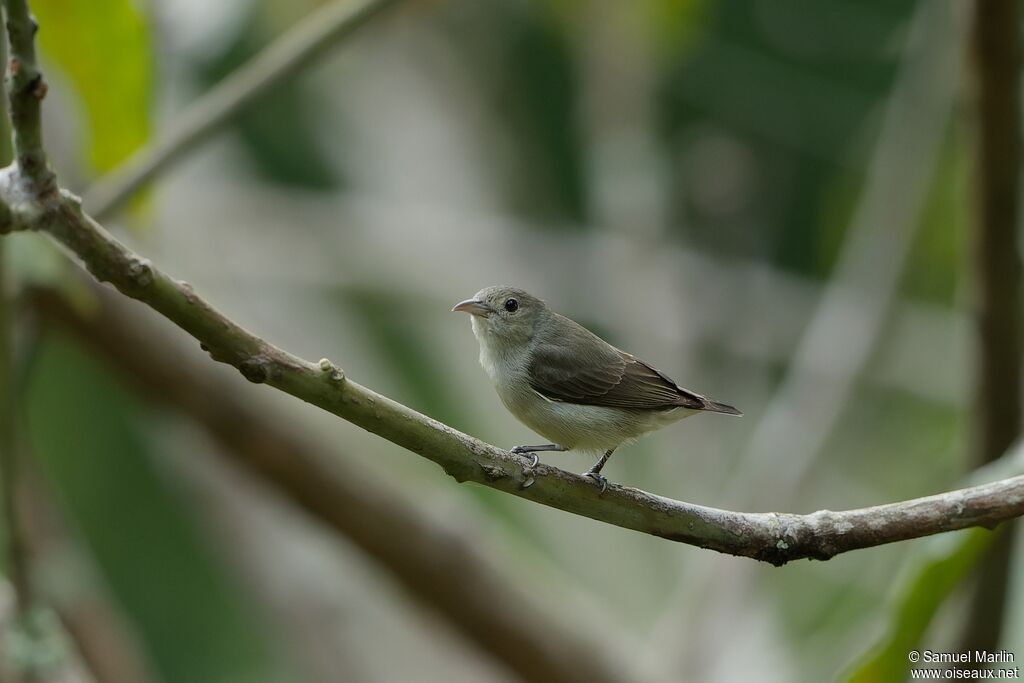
(715, 407)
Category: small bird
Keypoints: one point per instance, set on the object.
(567, 384)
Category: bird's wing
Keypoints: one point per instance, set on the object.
(581, 368)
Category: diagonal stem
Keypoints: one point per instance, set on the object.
(297, 49)
(26, 89)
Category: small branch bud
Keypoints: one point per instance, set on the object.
(39, 88)
(258, 369)
(190, 294)
(332, 371)
(140, 272)
(493, 472)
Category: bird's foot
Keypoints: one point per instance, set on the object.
(599, 479)
(527, 470)
(523, 450)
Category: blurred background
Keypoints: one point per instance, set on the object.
(770, 200)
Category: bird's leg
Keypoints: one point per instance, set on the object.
(532, 450)
(595, 471)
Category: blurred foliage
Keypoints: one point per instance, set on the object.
(36, 648)
(762, 114)
(930, 580)
(399, 340)
(522, 62)
(92, 439)
(939, 250)
(781, 94)
(280, 135)
(676, 24)
(890, 422)
(103, 47)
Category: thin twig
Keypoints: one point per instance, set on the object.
(290, 54)
(438, 567)
(27, 89)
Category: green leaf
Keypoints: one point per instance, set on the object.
(103, 48)
(937, 255)
(676, 24)
(946, 561)
(89, 437)
(931, 578)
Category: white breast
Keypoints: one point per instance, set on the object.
(577, 427)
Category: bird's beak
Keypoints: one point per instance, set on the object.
(473, 307)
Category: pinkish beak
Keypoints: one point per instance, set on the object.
(473, 307)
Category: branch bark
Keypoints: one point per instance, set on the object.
(440, 568)
(300, 46)
(772, 537)
(996, 52)
(26, 89)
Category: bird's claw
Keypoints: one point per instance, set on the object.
(528, 478)
(524, 450)
(598, 479)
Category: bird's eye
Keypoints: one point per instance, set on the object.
(511, 305)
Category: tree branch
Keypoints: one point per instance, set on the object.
(772, 537)
(26, 89)
(438, 567)
(292, 52)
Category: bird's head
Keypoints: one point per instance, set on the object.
(504, 315)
